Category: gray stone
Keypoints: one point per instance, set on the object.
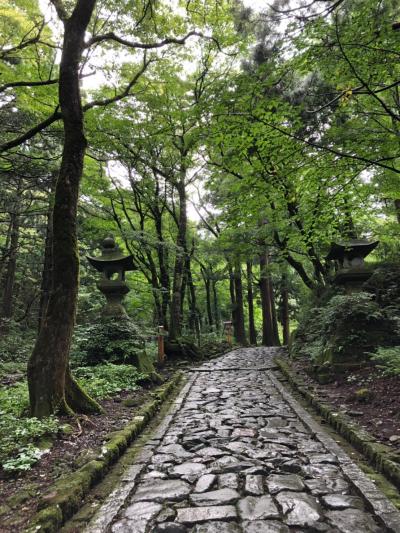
(264, 526)
(257, 508)
(193, 515)
(137, 517)
(187, 470)
(352, 520)
(342, 501)
(162, 489)
(170, 527)
(254, 485)
(278, 482)
(323, 458)
(229, 481)
(205, 483)
(218, 527)
(210, 451)
(215, 497)
(175, 449)
(299, 509)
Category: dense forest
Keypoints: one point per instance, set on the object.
(225, 145)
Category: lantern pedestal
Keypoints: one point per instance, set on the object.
(114, 291)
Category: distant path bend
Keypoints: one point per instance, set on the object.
(238, 453)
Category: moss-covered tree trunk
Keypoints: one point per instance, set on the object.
(51, 387)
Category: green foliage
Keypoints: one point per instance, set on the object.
(114, 341)
(346, 328)
(388, 360)
(103, 381)
(20, 436)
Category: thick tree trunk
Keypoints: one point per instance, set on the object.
(267, 321)
(51, 387)
(250, 303)
(175, 328)
(240, 330)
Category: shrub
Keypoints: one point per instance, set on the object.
(113, 341)
(388, 360)
(103, 381)
(346, 328)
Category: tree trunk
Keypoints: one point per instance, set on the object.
(47, 271)
(175, 328)
(9, 275)
(240, 331)
(267, 323)
(51, 387)
(285, 310)
(233, 299)
(250, 303)
(216, 306)
(194, 315)
(275, 329)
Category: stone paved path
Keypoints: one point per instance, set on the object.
(239, 454)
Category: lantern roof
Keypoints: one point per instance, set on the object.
(111, 255)
(351, 249)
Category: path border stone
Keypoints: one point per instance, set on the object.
(65, 496)
(117, 499)
(379, 455)
(384, 510)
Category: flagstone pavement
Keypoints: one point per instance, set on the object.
(238, 453)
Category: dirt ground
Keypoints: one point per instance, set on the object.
(20, 494)
(371, 399)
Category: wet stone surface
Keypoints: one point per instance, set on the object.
(237, 458)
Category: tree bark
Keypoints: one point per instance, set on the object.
(47, 271)
(240, 331)
(267, 321)
(9, 274)
(250, 303)
(275, 329)
(51, 387)
(175, 328)
(285, 311)
(217, 313)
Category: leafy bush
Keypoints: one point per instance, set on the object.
(102, 381)
(388, 360)
(20, 436)
(113, 341)
(346, 328)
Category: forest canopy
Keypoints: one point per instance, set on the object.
(225, 147)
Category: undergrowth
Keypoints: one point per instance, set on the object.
(24, 439)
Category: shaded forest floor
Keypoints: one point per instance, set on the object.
(370, 398)
(20, 493)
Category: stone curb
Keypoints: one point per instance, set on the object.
(379, 455)
(383, 509)
(118, 498)
(65, 496)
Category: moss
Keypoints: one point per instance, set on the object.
(48, 520)
(64, 498)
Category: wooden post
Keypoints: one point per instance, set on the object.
(161, 351)
(228, 332)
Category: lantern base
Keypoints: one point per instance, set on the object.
(114, 291)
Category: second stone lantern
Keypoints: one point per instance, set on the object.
(112, 264)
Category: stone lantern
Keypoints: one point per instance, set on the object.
(350, 256)
(112, 264)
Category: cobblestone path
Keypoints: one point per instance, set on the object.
(239, 454)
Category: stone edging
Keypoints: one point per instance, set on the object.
(118, 498)
(65, 496)
(383, 509)
(382, 457)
